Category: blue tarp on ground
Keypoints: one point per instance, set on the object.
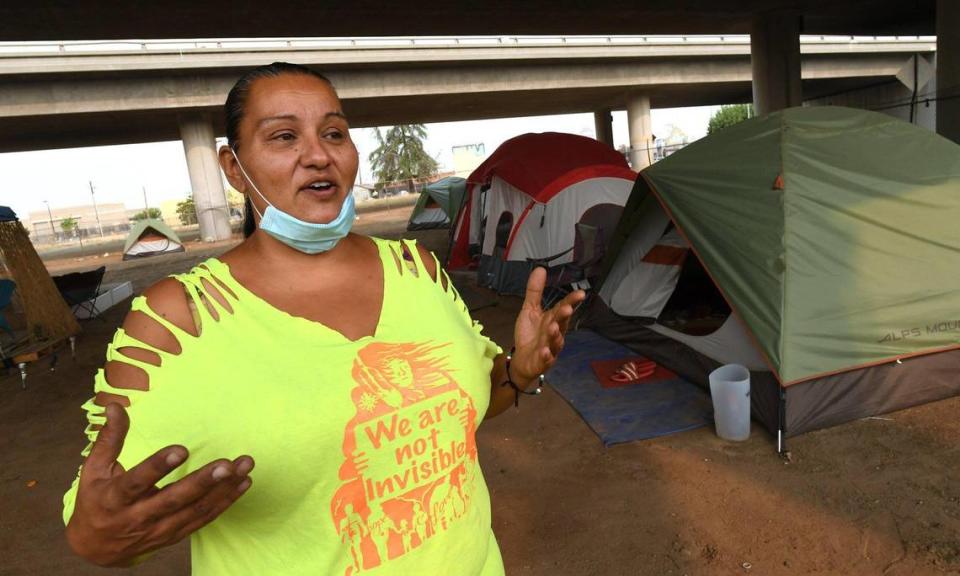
(635, 412)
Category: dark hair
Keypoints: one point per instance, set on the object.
(235, 108)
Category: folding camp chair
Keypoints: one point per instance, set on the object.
(80, 290)
(588, 253)
(552, 273)
(588, 249)
(546, 261)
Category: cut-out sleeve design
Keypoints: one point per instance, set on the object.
(162, 377)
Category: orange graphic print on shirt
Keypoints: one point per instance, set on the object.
(410, 453)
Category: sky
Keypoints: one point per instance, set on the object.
(120, 173)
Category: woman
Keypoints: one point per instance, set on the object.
(345, 366)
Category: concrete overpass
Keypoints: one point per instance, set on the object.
(779, 74)
(60, 95)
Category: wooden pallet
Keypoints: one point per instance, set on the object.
(22, 354)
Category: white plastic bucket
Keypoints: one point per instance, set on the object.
(730, 390)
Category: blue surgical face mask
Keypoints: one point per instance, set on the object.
(307, 237)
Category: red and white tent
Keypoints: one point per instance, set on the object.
(533, 201)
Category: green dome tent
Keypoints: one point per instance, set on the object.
(438, 204)
(817, 246)
(150, 238)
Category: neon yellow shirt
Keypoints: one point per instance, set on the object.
(366, 452)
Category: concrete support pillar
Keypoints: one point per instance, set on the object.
(775, 59)
(948, 69)
(200, 146)
(603, 122)
(641, 134)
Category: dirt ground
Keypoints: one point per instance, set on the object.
(876, 496)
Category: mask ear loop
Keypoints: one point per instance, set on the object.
(252, 185)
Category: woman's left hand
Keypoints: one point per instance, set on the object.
(538, 333)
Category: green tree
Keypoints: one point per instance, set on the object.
(728, 116)
(151, 213)
(68, 225)
(187, 211)
(400, 156)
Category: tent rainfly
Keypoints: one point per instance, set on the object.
(816, 246)
(547, 199)
(150, 238)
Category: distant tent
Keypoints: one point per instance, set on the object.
(438, 204)
(150, 238)
(817, 246)
(548, 199)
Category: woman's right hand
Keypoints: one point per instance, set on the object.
(120, 514)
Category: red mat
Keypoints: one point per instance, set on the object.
(646, 370)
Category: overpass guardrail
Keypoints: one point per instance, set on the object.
(207, 45)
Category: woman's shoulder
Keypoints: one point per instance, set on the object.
(430, 262)
(404, 247)
(168, 300)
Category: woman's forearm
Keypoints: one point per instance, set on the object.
(503, 396)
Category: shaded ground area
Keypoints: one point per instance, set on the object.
(877, 496)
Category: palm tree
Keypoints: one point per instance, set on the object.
(400, 156)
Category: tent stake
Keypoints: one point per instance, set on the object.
(781, 426)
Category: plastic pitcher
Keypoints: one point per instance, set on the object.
(730, 390)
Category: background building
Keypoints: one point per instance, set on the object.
(466, 158)
(113, 219)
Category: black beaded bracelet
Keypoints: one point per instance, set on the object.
(517, 391)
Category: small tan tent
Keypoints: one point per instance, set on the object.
(151, 238)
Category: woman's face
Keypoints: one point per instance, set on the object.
(401, 374)
(294, 143)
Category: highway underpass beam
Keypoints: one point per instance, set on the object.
(603, 123)
(200, 146)
(775, 61)
(641, 135)
(948, 69)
